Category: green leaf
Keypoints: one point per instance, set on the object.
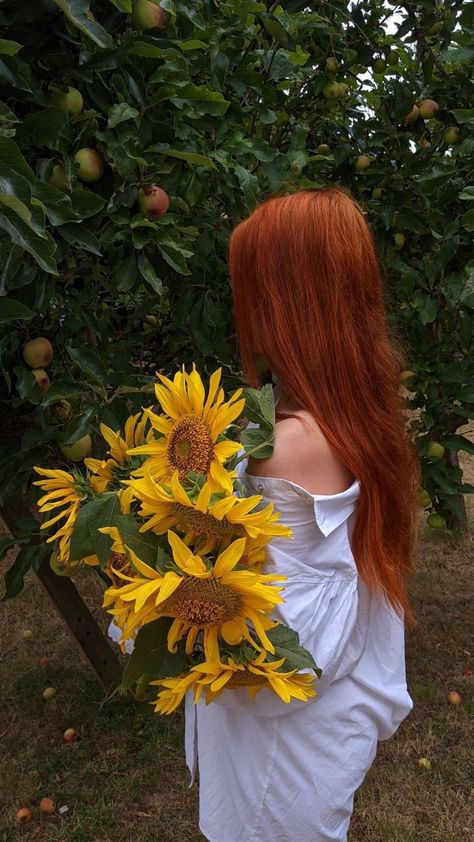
(21, 233)
(148, 273)
(89, 361)
(79, 426)
(77, 235)
(9, 48)
(258, 443)
(86, 203)
(189, 157)
(11, 311)
(13, 160)
(277, 31)
(27, 558)
(287, 645)
(76, 12)
(174, 258)
(86, 540)
(468, 220)
(260, 406)
(204, 101)
(151, 656)
(60, 389)
(120, 113)
(467, 195)
(146, 545)
(43, 128)
(457, 442)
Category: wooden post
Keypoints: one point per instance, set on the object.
(72, 609)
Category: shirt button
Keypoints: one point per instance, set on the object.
(260, 486)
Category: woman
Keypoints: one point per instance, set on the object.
(308, 302)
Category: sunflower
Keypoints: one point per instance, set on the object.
(211, 678)
(217, 600)
(109, 473)
(209, 521)
(67, 492)
(190, 429)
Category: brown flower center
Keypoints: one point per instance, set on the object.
(206, 524)
(190, 446)
(203, 602)
(120, 562)
(244, 678)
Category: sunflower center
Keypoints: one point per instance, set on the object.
(206, 524)
(203, 602)
(190, 447)
(244, 678)
(118, 562)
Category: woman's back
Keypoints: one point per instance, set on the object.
(292, 769)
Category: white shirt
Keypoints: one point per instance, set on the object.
(276, 772)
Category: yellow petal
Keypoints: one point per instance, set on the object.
(220, 476)
(227, 560)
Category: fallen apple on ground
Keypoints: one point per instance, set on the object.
(454, 698)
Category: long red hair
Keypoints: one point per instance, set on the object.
(308, 296)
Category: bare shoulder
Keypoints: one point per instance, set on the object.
(303, 455)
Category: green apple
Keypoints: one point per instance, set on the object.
(408, 379)
(58, 178)
(331, 90)
(71, 101)
(399, 240)
(436, 521)
(379, 65)
(48, 693)
(323, 149)
(424, 499)
(362, 162)
(331, 64)
(435, 450)
(91, 164)
(38, 352)
(79, 450)
(377, 193)
(435, 28)
(451, 135)
(424, 763)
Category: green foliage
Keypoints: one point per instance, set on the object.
(221, 106)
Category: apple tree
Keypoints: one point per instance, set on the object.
(134, 135)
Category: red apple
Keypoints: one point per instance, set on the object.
(43, 662)
(153, 201)
(41, 378)
(47, 805)
(428, 108)
(454, 698)
(23, 815)
(70, 735)
(147, 15)
(412, 117)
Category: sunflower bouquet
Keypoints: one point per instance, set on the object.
(165, 521)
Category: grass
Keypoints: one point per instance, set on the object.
(126, 778)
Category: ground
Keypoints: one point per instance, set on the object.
(126, 779)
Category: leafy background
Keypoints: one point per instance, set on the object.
(223, 106)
